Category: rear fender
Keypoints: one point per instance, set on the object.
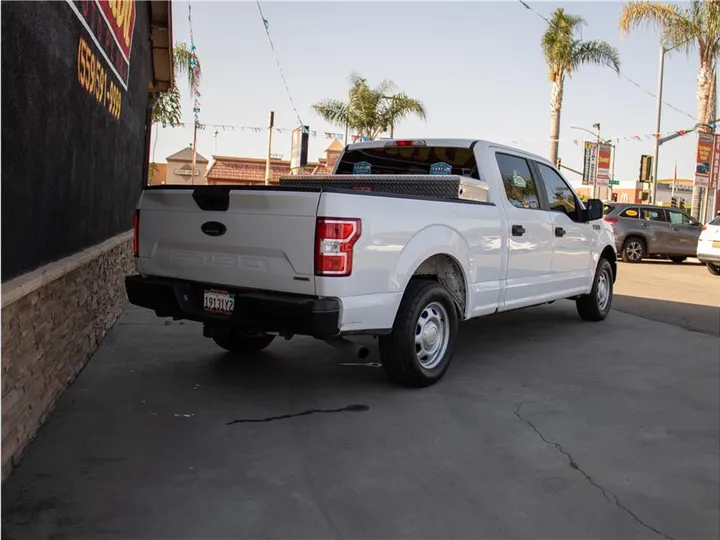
(434, 240)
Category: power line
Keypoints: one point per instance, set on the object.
(628, 79)
(266, 24)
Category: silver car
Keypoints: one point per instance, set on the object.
(643, 230)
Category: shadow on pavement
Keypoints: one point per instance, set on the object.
(163, 435)
(695, 317)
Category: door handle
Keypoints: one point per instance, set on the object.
(559, 231)
(518, 230)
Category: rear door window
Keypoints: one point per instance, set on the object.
(607, 209)
(406, 160)
(630, 213)
(519, 183)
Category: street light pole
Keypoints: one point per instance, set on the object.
(653, 198)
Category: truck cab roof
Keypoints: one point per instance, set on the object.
(459, 143)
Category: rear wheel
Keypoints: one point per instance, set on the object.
(633, 250)
(677, 260)
(714, 269)
(418, 351)
(239, 344)
(596, 305)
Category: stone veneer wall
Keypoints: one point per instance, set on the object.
(53, 319)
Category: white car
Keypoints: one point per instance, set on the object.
(708, 248)
(405, 240)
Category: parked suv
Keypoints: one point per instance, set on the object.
(643, 230)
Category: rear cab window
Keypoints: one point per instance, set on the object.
(715, 221)
(410, 160)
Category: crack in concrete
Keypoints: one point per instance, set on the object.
(606, 493)
(348, 408)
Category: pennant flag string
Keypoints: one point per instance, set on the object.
(357, 138)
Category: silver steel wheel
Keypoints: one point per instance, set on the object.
(634, 250)
(603, 290)
(432, 334)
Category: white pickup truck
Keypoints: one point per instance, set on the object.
(256, 262)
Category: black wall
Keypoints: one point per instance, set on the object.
(71, 173)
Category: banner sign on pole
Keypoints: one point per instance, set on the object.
(704, 158)
(715, 170)
(604, 153)
(590, 164)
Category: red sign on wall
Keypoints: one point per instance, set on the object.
(111, 25)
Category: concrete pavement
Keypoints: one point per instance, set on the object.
(544, 427)
(685, 295)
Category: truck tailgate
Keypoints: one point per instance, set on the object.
(268, 242)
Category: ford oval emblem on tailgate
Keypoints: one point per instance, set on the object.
(213, 228)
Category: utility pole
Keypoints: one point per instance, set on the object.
(595, 186)
(194, 148)
(653, 191)
(215, 135)
(271, 125)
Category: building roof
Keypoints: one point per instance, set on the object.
(252, 170)
(186, 154)
(335, 146)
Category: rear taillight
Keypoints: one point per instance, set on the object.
(610, 220)
(334, 242)
(136, 233)
(704, 227)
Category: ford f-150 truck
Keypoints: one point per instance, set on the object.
(403, 241)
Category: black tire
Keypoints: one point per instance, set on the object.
(594, 306)
(634, 250)
(714, 269)
(429, 301)
(239, 344)
(677, 260)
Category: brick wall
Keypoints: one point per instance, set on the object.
(52, 321)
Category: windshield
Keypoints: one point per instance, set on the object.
(435, 160)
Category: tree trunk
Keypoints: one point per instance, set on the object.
(705, 115)
(555, 109)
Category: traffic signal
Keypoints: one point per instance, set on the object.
(614, 197)
(646, 168)
(673, 202)
(558, 164)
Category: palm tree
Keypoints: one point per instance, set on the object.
(167, 110)
(696, 26)
(564, 55)
(370, 111)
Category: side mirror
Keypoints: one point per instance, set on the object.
(594, 209)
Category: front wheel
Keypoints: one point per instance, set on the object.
(418, 351)
(596, 305)
(239, 344)
(714, 269)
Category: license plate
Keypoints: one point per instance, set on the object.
(222, 302)
(716, 243)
